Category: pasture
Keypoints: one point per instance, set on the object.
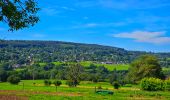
(26, 90)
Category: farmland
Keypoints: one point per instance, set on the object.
(68, 71)
(85, 91)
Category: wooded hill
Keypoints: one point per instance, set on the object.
(26, 52)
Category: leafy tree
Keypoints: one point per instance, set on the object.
(47, 82)
(152, 84)
(102, 73)
(114, 76)
(61, 75)
(33, 70)
(145, 66)
(13, 79)
(74, 74)
(167, 84)
(57, 83)
(116, 85)
(3, 75)
(19, 14)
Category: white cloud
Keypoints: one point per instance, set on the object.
(68, 8)
(93, 25)
(144, 36)
(50, 11)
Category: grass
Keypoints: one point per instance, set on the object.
(110, 67)
(85, 91)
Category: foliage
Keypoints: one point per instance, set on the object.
(113, 77)
(116, 85)
(74, 74)
(13, 79)
(57, 83)
(167, 84)
(99, 87)
(152, 84)
(26, 52)
(47, 82)
(3, 75)
(72, 83)
(19, 14)
(145, 66)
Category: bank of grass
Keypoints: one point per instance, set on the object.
(85, 91)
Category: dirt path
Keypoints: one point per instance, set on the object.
(13, 97)
(13, 94)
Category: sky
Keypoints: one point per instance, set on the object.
(138, 25)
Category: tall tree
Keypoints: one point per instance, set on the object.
(74, 74)
(19, 14)
(145, 66)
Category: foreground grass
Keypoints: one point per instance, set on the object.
(85, 91)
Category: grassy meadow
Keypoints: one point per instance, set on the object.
(26, 90)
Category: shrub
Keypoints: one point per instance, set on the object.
(116, 85)
(152, 84)
(167, 85)
(99, 87)
(13, 79)
(47, 82)
(71, 83)
(57, 83)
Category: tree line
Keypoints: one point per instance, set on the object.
(144, 66)
(20, 53)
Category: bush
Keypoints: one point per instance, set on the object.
(47, 82)
(57, 83)
(71, 83)
(99, 87)
(152, 84)
(167, 85)
(13, 79)
(116, 85)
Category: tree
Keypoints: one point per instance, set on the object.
(57, 83)
(102, 73)
(13, 79)
(47, 82)
(145, 66)
(33, 70)
(152, 84)
(19, 14)
(74, 74)
(116, 85)
(113, 77)
(3, 75)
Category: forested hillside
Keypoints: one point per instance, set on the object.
(19, 52)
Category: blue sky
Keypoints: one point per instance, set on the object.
(142, 25)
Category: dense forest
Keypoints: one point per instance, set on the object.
(20, 53)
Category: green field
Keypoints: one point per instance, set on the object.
(85, 91)
(110, 67)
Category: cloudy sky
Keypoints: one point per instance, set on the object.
(131, 24)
